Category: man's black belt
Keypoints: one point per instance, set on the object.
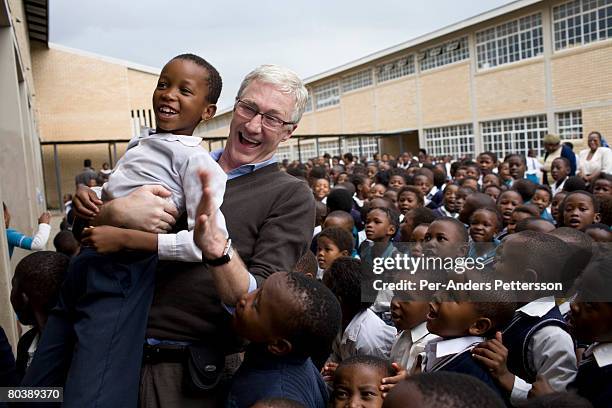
(164, 354)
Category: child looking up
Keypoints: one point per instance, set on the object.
(449, 205)
(555, 205)
(506, 203)
(559, 170)
(542, 197)
(397, 181)
(535, 342)
(485, 224)
(409, 198)
(357, 382)
(288, 321)
(320, 188)
(602, 185)
(410, 318)
(377, 191)
(332, 243)
(464, 319)
(491, 179)
(579, 209)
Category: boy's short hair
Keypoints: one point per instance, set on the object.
(528, 209)
(526, 188)
(458, 225)
(444, 389)
(65, 243)
(339, 199)
(342, 215)
(307, 264)
(345, 276)
(594, 201)
(495, 212)
(564, 160)
(313, 330)
(340, 237)
(214, 78)
(414, 190)
(423, 171)
(596, 282)
(605, 208)
(574, 183)
(545, 254)
(546, 188)
(40, 275)
(520, 156)
(532, 223)
(397, 171)
(391, 213)
(492, 155)
(422, 215)
(277, 403)
(376, 362)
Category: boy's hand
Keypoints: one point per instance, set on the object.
(44, 218)
(328, 371)
(493, 355)
(207, 236)
(389, 382)
(145, 209)
(105, 239)
(86, 203)
(540, 387)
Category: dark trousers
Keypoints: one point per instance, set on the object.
(93, 339)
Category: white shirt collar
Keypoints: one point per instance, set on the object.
(418, 332)
(538, 307)
(602, 353)
(190, 141)
(454, 346)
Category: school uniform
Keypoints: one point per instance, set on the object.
(433, 198)
(455, 355)
(538, 344)
(594, 378)
(366, 334)
(441, 211)
(557, 186)
(409, 344)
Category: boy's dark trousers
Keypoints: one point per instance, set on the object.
(93, 339)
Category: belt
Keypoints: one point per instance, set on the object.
(164, 354)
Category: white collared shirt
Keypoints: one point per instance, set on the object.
(366, 334)
(409, 344)
(550, 353)
(172, 161)
(439, 348)
(601, 352)
(430, 195)
(555, 189)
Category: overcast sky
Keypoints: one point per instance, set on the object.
(308, 36)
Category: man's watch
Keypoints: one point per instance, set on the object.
(228, 253)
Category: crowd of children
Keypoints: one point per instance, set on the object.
(320, 335)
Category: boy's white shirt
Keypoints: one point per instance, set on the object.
(439, 348)
(172, 161)
(430, 195)
(409, 344)
(366, 334)
(554, 189)
(550, 353)
(601, 352)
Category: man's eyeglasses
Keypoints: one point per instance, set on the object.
(247, 111)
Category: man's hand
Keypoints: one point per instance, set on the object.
(493, 355)
(105, 239)
(44, 218)
(145, 209)
(86, 203)
(328, 370)
(206, 234)
(389, 382)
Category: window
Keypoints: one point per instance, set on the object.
(514, 135)
(512, 41)
(307, 150)
(457, 141)
(142, 118)
(569, 125)
(308, 103)
(444, 54)
(327, 94)
(330, 147)
(369, 146)
(395, 69)
(581, 22)
(358, 80)
(283, 152)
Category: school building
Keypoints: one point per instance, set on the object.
(498, 81)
